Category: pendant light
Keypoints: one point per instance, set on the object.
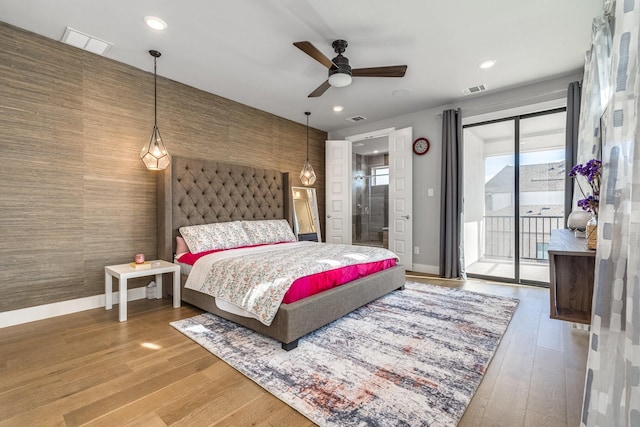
(154, 154)
(307, 175)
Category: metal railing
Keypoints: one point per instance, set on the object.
(535, 232)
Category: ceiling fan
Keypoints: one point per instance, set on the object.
(340, 71)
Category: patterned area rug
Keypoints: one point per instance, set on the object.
(413, 357)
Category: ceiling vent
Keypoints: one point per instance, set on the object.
(85, 41)
(474, 89)
(356, 119)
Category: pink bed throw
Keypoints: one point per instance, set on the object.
(256, 279)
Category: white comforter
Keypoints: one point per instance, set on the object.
(256, 279)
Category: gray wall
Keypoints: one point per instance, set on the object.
(426, 169)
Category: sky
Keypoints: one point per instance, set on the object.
(494, 164)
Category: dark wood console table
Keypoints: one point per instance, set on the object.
(572, 270)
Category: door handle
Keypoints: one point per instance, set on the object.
(328, 216)
(405, 216)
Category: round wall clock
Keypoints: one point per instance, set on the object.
(421, 146)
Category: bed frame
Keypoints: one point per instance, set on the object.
(192, 192)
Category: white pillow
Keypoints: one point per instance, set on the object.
(221, 235)
(269, 231)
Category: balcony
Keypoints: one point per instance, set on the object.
(497, 243)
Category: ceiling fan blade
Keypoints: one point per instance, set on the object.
(320, 90)
(390, 71)
(311, 50)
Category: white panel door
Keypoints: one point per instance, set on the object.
(401, 195)
(338, 197)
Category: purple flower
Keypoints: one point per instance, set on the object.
(576, 170)
(589, 204)
(591, 171)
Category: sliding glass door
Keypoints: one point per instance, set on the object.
(489, 197)
(513, 195)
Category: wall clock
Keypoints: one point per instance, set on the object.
(421, 146)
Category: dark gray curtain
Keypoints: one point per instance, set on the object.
(451, 254)
(573, 120)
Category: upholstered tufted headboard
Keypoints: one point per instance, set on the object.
(192, 192)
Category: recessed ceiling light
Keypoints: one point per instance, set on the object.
(338, 108)
(155, 23)
(487, 64)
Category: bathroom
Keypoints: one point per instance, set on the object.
(370, 192)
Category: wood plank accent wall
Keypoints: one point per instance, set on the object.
(74, 194)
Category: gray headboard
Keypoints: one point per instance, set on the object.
(194, 191)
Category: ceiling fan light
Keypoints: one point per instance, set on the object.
(340, 80)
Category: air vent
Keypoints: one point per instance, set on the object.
(85, 41)
(356, 118)
(474, 89)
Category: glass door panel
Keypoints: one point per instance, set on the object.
(370, 190)
(541, 200)
(489, 199)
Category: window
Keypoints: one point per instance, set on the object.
(380, 175)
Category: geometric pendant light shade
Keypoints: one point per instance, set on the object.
(154, 154)
(307, 175)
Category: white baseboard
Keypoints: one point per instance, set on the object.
(46, 311)
(425, 268)
(40, 312)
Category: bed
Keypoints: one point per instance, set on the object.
(193, 192)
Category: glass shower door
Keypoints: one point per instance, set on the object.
(370, 199)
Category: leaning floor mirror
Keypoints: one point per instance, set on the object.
(306, 223)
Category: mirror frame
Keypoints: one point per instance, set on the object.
(310, 197)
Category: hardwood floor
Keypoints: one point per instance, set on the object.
(89, 369)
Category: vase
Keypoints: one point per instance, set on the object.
(577, 222)
(592, 233)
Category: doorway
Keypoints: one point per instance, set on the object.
(339, 185)
(510, 213)
(370, 192)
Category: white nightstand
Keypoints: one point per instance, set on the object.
(124, 272)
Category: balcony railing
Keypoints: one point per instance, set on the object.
(535, 232)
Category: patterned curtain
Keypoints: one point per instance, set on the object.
(612, 386)
(595, 93)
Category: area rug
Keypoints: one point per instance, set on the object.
(411, 358)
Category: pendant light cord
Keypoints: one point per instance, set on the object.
(308, 114)
(155, 91)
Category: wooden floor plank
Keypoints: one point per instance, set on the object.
(217, 381)
(133, 392)
(508, 402)
(266, 411)
(149, 419)
(535, 419)
(174, 394)
(547, 395)
(475, 412)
